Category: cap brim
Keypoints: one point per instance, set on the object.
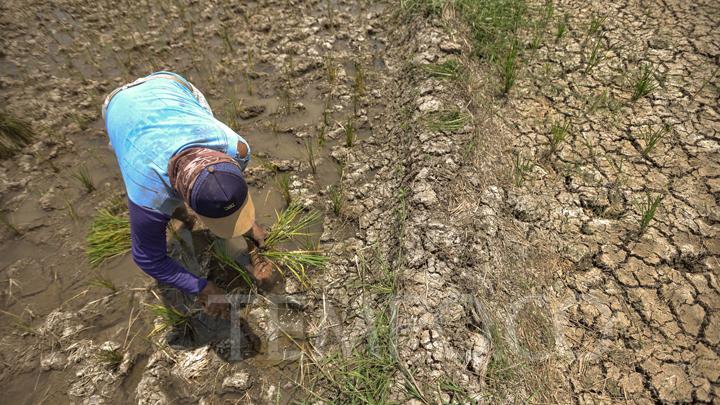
(235, 224)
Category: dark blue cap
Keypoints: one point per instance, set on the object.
(218, 191)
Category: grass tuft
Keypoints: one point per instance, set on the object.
(310, 151)
(109, 234)
(561, 27)
(451, 69)
(110, 357)
(558, 134)
(349, 129)
(652, 138)
(169, 318)
(644, 82)
(425, 7)
(521, 169)
(648, 208)
(102, 282)
(282, 183)
(337, 198)
(82, 175)
(331, 70)
(14, 134)
(508, 66)
(447, 121)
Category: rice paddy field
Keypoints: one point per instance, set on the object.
(468, 202)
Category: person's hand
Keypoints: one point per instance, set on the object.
(257, 235)
(262, 269)
(216, 309)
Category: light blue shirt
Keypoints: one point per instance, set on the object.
(148, 124)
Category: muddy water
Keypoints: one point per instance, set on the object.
(80, 49)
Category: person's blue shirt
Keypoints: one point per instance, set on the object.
(148, 124)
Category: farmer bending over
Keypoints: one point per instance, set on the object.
(172, 153)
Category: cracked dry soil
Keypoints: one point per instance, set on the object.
(540, 291)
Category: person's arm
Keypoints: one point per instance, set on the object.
(149, 250)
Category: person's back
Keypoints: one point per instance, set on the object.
(151, 122)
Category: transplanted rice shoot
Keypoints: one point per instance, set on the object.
(109, 234)
(220, 253)
(289, 224)
(296, 261)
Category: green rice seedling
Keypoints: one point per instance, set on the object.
(558, 135)
(508, 66)
(541, 24)
(447, 121)
(14, 134)
(561, 27)
(102, 282)
(70, 208)
(248, 67)
(450, 69)
(337, 198)
(282, 183)
(112, 358)
(648, 208)
(521, 169)
(109, 235)
(321, 135)
(652, 138)
(310, 151)
(219, 252)
(595, 25)
(169, 318)
(331, 70)
(349, 129)
(296, 261)
(644, 82)
(597, 54)
(82, 175)
(327, 111)
(226, 37)
(290, 223)
(359, 85)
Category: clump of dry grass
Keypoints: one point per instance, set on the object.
(14, 134)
